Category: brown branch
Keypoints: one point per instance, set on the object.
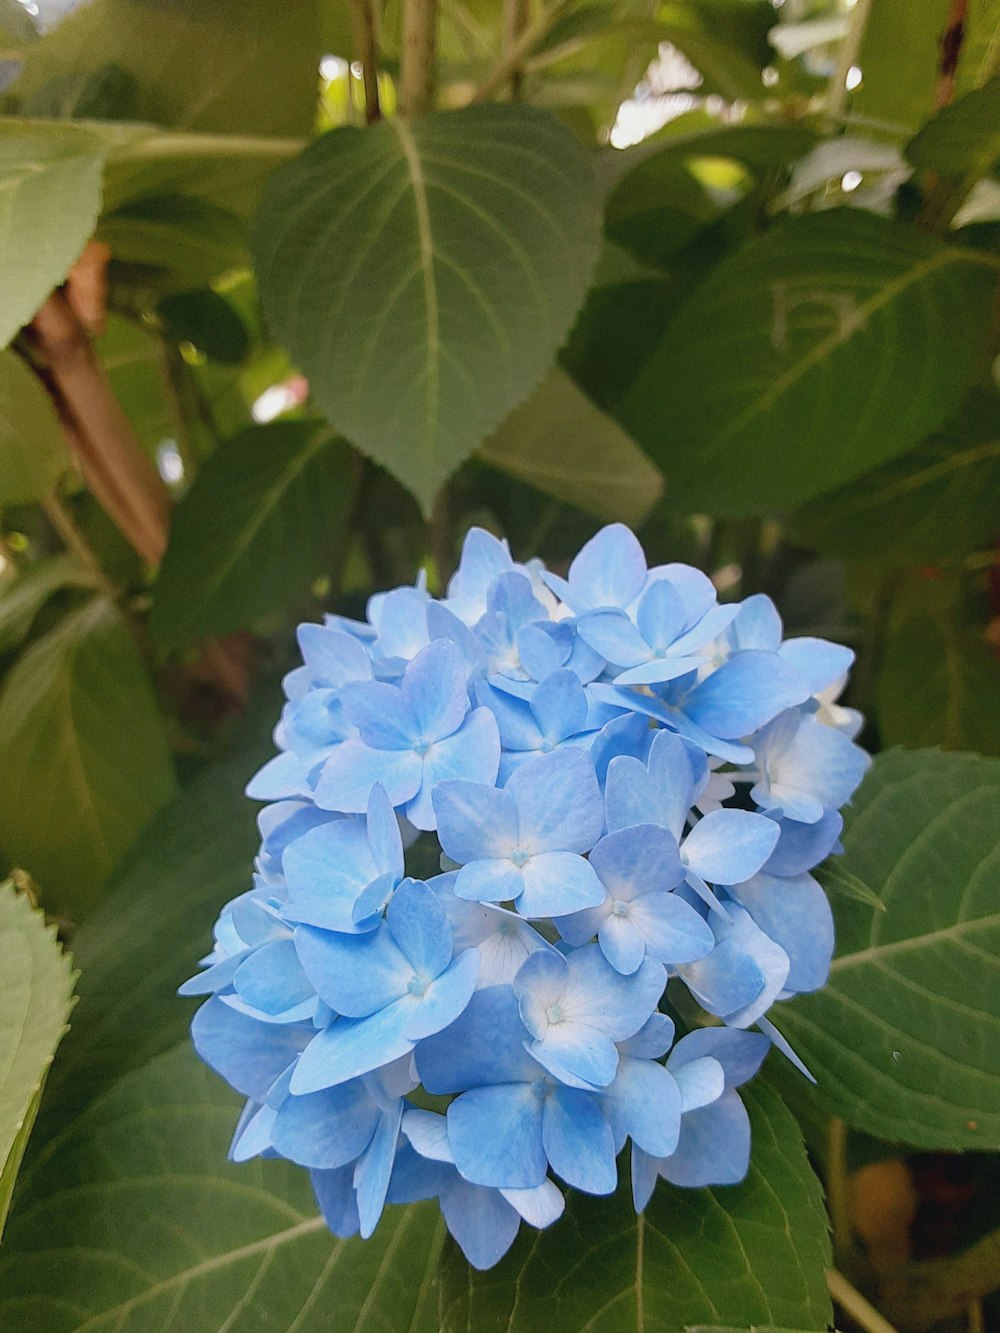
(416, 87)
(950, 46)
(363, 24)
(98, 433)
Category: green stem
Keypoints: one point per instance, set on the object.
(75, 542)
(854, 1304)
(837, 1198)
(850, 49)
(517, 53)
(416, 88)
(363, 25)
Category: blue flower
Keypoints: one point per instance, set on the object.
(390, 986)
(524, 843)
(412, 736)
(584, 749)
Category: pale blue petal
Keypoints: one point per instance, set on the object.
(540, 1206)
(560, 706)
(248, 1054)
(728, 846)
(581, 927)
(644, 1103)
(446, 997)
(333, 657)
(352, 770)
(435, 689)
(673, 932)
(637, 860)
(335, 1195)
(272, 978)
(795, 913)
(614, 637)
(802, 846)
(609, 570)
(283, 776)
(559, 802)
(384, 837)
(714, 1146)
(696, 589)
(374, 1170)
(644, 1178)
(726, 980)
(483, 1045)
(740, 1053)
(747, 691)
(420, 928)
(713, 623)
(544, 648)
(355, 975)
(326, 1129)
(516, 723)
(474, 820)
(489, 881)
(818, 661)
(701, 1081)
(495, 1134)
(325, 870)
(659, 671)
(579, 1142)
(557, 883)
(577, 1054)
(472, 753)
(758, 625)
(598, 996)
(653, 1039)
(352, 1047)
(482, 1222)
(622, 944)
(661, 615)
(382, 714)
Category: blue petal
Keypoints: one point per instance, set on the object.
(355, 975)
(661, 615)
(248, 1054)
(495, 1134)
(614, 637)
(758, 625)
(326, 1129)
(795, 913)
(672, 930)
(637, 860)
(644, 1103)
(819, 662)
(652, 1040)
(333, 657)
(335, 1195)
(622, 944)
(283, 776)
(556, 883)
(446, 997)
(726, 980)
(517, 724)
(714, 1146)
(701, 1081)
(728, 846)
(384, 837)
(382, 714)
(483, 1045)
(420, 928)
(802, 846)
(374, 1169)
(609, 570)
(559, 802)
(747, 691)
(472, 753)
(560, 705)
(740, 1053)
(540, 1206)
(353, 768)
(435, 689)
(325, 870)
(490, 881)
(481, 1221)
(579, 1142)
(474, 820)
(352, 1047)
(272, 979)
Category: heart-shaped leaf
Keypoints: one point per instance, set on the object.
(422, 274)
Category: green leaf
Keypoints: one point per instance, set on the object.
(561, 443)
(836, 878)
(16, 28)
(50, 195)
(899, 59)
(905, 1039)
(32, 452)
(134, 1220)
(23, 595)
(963, 139)
(234, 66)
(977, 57)
(207, 321)
(938, 681)
(750, 1253)
(258, 526)
(423, 275)
(934, 503)
(174, 241)
(146, 936)
(612, 335)
(832, 343)
(658, 209)
(86, 759)
(36, 985)
(731, 69)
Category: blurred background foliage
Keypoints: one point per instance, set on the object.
(726, 270)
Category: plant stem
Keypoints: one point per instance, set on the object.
(951, 48)
(440, 537)
(416, 89)
(363, 26)
(854, 1304)
(97, 431)
(850, 49)
(515, 19)
(836, 1186)
(75, 542)
(516, 54)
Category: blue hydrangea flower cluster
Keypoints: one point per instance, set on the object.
(629, 783)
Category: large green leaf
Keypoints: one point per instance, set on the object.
(423, 274)
(24, 593)
(36, 985)
(826, 346)
(50, 195)
(32, 452)
(935, 502)
(133, 1220)
(963, 139)
(905, 1039)
(260, 523)
(561, 443)
(753, 1253)
(85, 759)
(938, 681)
(899, 59)
(234, 66)
(147, 935)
